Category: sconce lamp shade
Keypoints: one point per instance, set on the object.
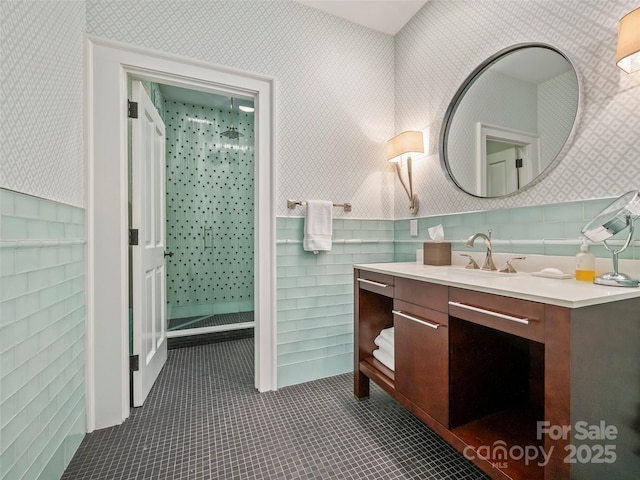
(628, 53)
(405, 142)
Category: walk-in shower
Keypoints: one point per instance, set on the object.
(209, 212)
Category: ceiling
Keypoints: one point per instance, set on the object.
(387, 16)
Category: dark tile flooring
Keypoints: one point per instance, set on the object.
(204, 420)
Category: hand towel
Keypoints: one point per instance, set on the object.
(318, 226)
(384, 344)
(387, 334)
(385, 358)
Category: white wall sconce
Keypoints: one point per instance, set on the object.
(406, 143)
(628, 53)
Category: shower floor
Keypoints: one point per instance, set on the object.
(209, 321)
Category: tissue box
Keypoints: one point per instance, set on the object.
(437, 253)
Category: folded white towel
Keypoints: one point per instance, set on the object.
(385, 358)
(384, 344)
(387, 334)
(318, 226)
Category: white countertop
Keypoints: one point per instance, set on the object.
(564, 293)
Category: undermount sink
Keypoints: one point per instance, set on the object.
(457, 270)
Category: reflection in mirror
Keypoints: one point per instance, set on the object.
(510, 121)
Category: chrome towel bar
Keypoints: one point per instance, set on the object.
(294, 203)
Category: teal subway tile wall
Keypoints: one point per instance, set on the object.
(315, 295)
(42, 335)
(543, 230)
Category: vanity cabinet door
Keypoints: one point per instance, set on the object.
(421, 358)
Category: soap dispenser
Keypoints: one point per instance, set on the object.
(585, 263)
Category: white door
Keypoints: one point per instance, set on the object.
(502, 174)
(148, 216)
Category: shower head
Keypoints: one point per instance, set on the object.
(232, 132)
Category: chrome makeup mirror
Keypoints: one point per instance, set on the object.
(511, 120)
(614, 219)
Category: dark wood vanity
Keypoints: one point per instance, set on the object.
(496, 375)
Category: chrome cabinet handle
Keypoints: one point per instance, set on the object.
(524, 320)
(371, 282)
(409, 317)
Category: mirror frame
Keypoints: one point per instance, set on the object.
(466, 85)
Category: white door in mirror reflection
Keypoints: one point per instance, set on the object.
(501, 170)
(507, 159)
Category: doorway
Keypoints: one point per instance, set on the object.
(506, 159)
(195, 182)
(110, 63)
(209, 211)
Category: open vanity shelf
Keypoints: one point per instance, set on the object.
(484, 370)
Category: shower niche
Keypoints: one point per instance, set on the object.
(209, 212)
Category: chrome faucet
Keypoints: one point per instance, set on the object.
(488, 261)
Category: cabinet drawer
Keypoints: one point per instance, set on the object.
(425, 294)
(376, 282)
(511, 315)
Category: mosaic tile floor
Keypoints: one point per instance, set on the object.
(204, 420)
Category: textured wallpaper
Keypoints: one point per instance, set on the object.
(557, 99)
(334, 86)
(41, 94)
(335, 98)
(446, 40)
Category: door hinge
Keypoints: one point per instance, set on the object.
(134, 363)
(133, 236)
(132, 109)
(518, 163)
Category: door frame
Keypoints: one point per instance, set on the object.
(108, 65)
(529, 141)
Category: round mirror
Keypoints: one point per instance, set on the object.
(510, 121)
